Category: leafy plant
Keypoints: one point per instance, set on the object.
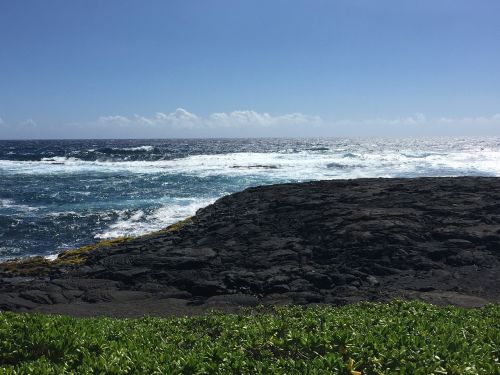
(367, 338)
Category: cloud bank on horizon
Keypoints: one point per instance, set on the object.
(182, 119)
(182, 123)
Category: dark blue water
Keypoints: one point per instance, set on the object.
(56, 195)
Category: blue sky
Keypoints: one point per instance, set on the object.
(121, 68)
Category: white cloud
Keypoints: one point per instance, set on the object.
(28, 123)
(182, 123)
(114, 120)
(143, 121)
(179, 115)
(419, 119)
(479, 120)
(252, 118)
(416, 119)
(419, 125)
(181, 118)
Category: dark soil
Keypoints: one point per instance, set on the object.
(330, 242)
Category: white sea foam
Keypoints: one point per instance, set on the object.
(11, 205)
(282, 165)
(349, 159)
(140, 223)
(138, 148)
(9, 252)
(6, 202)
(57, 160)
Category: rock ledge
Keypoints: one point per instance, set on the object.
(332, 242)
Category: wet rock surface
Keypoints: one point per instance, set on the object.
(332, 242)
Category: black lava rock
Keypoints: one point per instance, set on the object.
(436, 239)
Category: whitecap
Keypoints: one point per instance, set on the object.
(140, 223)
(10, 204)
(6, 202)
(292, 166)
(138, 148)
(51, 256)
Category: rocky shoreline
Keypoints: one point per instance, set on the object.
(326, 242)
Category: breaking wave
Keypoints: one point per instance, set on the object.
(56, 195)
(140, 222)
(297, 165)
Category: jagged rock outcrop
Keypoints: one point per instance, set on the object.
(334, 242)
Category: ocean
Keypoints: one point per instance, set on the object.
(61, 194)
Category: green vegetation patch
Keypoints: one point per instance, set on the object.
(171, 228)
(37, 266)
(78, 256)
(32, 266)
(369, 338)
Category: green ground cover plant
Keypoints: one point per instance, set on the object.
(367, 338)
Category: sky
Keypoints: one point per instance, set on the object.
(240, 68)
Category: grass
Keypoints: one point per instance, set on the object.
(369, 338)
